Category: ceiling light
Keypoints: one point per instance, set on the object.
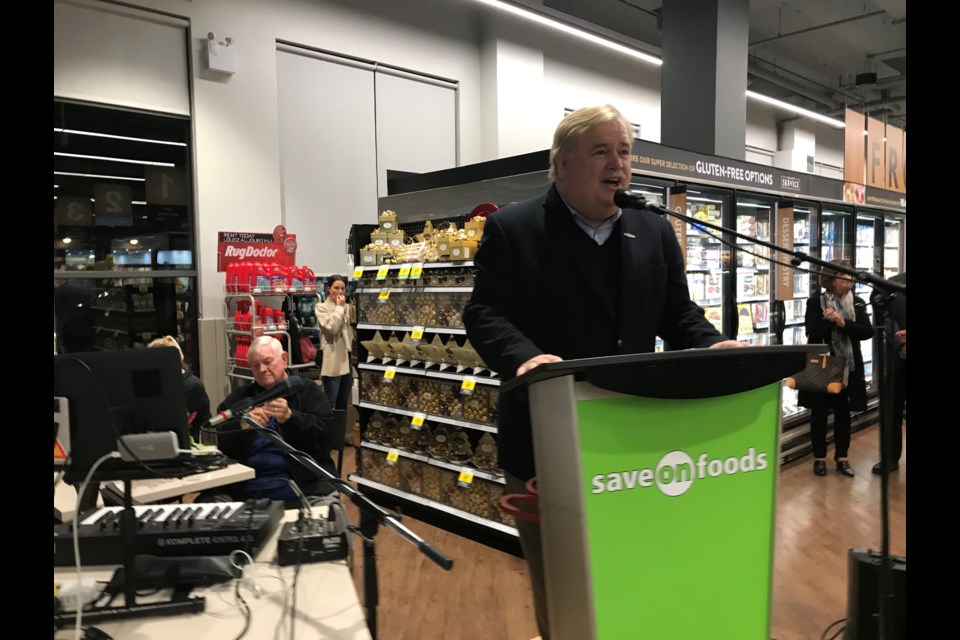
(108, 135)
(839, 124)
(67, 240)
(134, 241)
(110, 159)
(571, 30)
(97, 175)
(138, 202)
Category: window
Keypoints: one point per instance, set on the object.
(124, 257)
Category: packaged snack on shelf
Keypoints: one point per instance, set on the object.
(374, 430)
(388, 220)
(411, 475)
(474, 227)
(371, 462)
(430, 477)
(485, 456)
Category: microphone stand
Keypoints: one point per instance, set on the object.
(883, 292)
(372, 516)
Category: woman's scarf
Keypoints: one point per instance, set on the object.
(839, 341)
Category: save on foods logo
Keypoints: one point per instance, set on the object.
(677, 471)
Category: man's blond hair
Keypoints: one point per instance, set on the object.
(575, 125)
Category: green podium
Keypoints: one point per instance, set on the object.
(657, 478)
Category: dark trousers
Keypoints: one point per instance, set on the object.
(533, 553)
(899, 401)
(337, 390)
(841, 428)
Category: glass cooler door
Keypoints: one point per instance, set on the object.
(656, 192)
(894, 232)
(869, 257)
(705, 274)
(752, 293)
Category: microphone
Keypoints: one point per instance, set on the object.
(284, 388)
(626, 200)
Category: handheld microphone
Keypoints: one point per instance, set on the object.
(626, 200)
(284, 388)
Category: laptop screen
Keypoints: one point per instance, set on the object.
(114, 393)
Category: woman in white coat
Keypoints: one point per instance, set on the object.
(336, 340)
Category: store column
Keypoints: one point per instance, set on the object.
(704, 76)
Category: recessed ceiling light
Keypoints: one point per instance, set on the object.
(77, 132)
(97, 175)
(839, 124)
(111, 159)
(571, 30)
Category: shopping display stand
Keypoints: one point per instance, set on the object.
(657, 478)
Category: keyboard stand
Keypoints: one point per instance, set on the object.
(179, 602)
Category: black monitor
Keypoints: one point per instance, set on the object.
(114, 393)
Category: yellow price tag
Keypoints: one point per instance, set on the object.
(465, 479)
(417, 420)
(389, 374)
(468, 384)
(384, 295)
(382, 272)
(416, 335)
(404, 272)
(416, 271)
(357, 273)
(392, 457)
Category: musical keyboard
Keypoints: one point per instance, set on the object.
(199, 529)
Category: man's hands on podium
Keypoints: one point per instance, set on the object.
(536, 361)
(276, 408)
(726, 344)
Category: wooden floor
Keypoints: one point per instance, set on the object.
(487, 594)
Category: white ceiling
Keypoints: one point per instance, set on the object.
(806, 52)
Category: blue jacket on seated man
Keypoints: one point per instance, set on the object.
(303, 419)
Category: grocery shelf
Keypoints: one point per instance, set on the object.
(433, 504)
(419, 457)
(430, 417)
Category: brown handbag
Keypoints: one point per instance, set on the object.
(823, 374)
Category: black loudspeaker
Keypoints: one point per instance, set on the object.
(863, 604)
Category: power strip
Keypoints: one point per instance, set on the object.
(313, 540)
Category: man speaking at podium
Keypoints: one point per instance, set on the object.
(303, 419)
(567, 275)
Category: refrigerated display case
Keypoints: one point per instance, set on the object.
(804, 284)
(868, 257)
(894, 231)
(655, 192)
(752, 293)
(705, 254)
(835, 230)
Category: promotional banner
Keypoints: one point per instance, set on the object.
(661, 160)
(680, 499)
(238, 246)
(782, 273)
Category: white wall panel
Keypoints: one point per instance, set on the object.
(416, 125)
(100, 55)
(328, 155)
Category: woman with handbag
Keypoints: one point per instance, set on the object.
(336, 341)
(837, 318)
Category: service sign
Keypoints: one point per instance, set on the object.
(240, 246)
